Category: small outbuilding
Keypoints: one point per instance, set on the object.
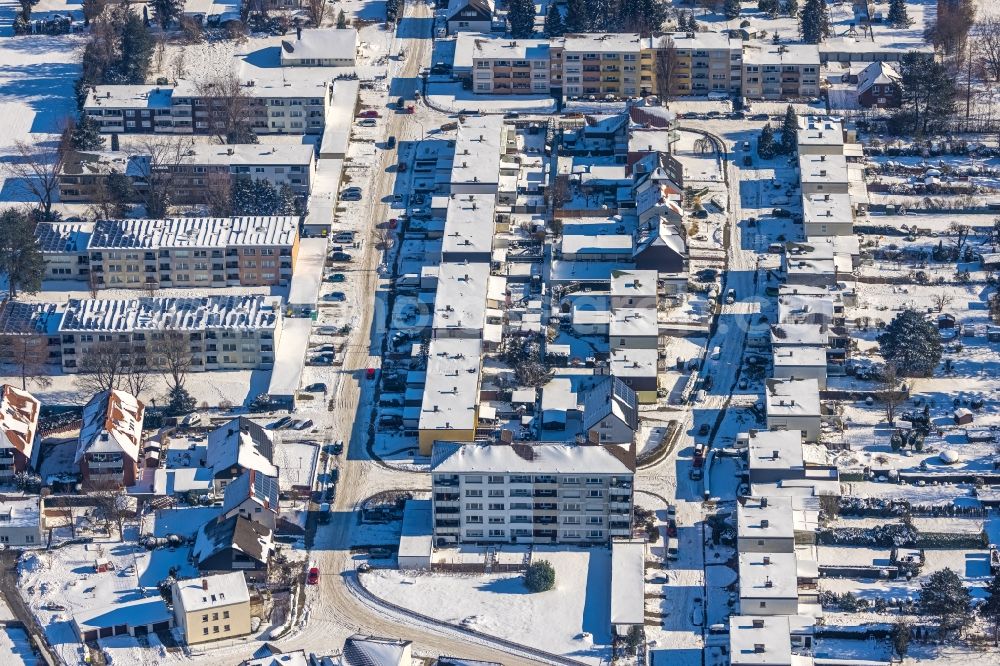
(416, 539)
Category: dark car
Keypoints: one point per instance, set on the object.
(707, 274)
(336, 277)
(390, 142)
(281, 423)
(318, 387)
(781, 212)
(338, 448)
(340, 256)
(760, 116)
(337, 296)
(703, 430)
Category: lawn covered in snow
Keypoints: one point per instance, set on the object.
(572, 619)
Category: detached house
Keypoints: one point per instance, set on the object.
(610, 413)
(470, 16)
(878, 86)
(18, 428)
(108, 450)
(233, 544)
(212, 608)
(252, 495)
(238, 446)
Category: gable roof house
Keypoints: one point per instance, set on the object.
(470, 16)
(233, 544)
(18, 428)
(108, 448)
(320, 47)
(252, 495)
(610, 412)
(661, 246)
(237, 446)
(878, 86)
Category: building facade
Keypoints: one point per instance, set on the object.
(601, 66)
(542, 493)
(193, 252)
(212, 608)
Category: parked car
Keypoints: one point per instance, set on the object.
(318, 387)
(313, 577)
(351, 196)
(338, 447)
(368, 122)
(336, 277)
(281, 423)
(321, 359)
(401, 167)
(369, 113)
(707, 274)
(340, 256)
(305, 423)
(704, 429)
(323, 349)
(370, 373)
(781, 212)
(336, 296)
(390, 142)
(731, 296)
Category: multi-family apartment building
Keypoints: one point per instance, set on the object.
(19, 412)
(601, 65)
(220, 332)
(197, 108)
(780, 71)
(193, 252)
(513, 67)
(531, 493)
(201, 174)
(686, 63)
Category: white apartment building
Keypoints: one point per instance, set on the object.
(531, 493)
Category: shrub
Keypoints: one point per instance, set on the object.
(540, 576)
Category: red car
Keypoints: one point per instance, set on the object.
(313, 577)
(371, 373)
(370, 113)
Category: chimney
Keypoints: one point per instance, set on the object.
(765, 523)
(758, 648)
(204, 584)
(763, 502)
(822, 158)
(826, 197)
(774, 454)
(767, 558)
(822, 172)
(768, 583)
(230, 151)
(758, 623)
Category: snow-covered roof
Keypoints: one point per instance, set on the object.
(321, 44)
(143, 611)
(460, 300)
(18, 419)
(477, 46)
(765, 53)
(416, 537)
(758, 640)
(799, 357)
(662, 234)
(251, 484)
(373, 651)
(456, 6)
(765, 518)
(194, 232)
(822, 169)
(450, 457)
(595, 42)
(112, 423)
(774, 449)
(877, 73)
(792, 397)
(451, 393)
(583, 244)
(805, 308)
(633, 322)
(768, 575)
(19, 512)
(20, 318)
(611, 397)
(250, 538)
(628, 586)
(60, 237)
(244, 312)
(789, 335)
(248, 154)
(241, 443)
(129, 97)
(633, 284)
(820, 131)
(634, 362)
(214, 591)
(469, 223)
(297, 658)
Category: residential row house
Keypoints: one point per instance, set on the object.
(109, 445)
(531, 493)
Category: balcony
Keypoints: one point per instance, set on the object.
(545, 493)
(446, 497)
(446, 523)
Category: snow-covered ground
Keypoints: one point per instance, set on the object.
(571, 620)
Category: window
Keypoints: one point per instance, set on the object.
(473, 493)
(473, 506)
(496, 493)
(204, 631)
(215, 629)
(495, 479)
(496, 507)
(215, 616)
(497, 533)
(226, 628)
(204, 618)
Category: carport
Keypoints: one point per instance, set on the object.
(136, 618)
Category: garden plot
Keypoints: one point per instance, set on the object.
(571, 619)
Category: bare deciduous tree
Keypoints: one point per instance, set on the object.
(113, 505)
(666, 70)
(941, 300)
(231, 107)
(890, 396)
(103, 366)
(29, 354)
(36, 168)
(961, 235)
(158, 155)
(173, 356)
(317, 10)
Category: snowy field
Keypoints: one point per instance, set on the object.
(570, 620)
